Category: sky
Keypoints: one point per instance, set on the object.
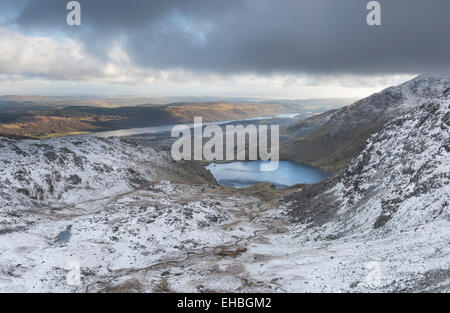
(241, 48)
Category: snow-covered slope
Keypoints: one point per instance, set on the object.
(103, 203)
(333, 140)
(64, 171)
(399, 181)
(394, 197)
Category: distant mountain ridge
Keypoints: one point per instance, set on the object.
(43, 117)
(332, 139)
(117, 101)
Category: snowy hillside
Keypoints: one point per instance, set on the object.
(99, 202)
(400, 180)
(403, 174)
(390, 102)
(58, 172)
(331, 140)
(395, 196)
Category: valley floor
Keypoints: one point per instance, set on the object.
(166, 237)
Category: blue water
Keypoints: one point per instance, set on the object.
(244, 174)
(166, 128)
(64, 236)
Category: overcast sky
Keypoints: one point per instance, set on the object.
(260, 48)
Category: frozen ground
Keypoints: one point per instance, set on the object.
(166, 237)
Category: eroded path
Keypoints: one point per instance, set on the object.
(209, 267)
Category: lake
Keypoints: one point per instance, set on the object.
(245, 174)
(168, 128)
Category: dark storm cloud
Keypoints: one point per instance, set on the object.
(258, 36)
